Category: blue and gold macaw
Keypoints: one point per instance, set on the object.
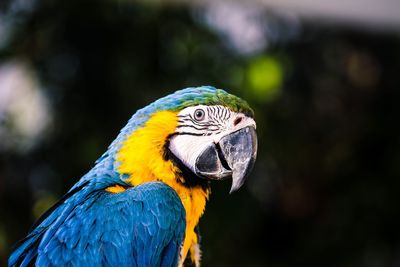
(141, 202)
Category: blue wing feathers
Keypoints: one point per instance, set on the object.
(142, 226)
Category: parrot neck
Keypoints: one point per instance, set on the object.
(141, 158)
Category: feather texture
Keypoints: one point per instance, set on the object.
(142, 226)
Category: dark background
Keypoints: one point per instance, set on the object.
(325, 188)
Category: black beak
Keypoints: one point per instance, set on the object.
(233, 156)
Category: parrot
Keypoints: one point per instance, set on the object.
(141, 202)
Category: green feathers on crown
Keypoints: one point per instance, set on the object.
(214, 96)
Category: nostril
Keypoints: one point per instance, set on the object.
(237, 121)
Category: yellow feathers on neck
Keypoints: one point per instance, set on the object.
(141, 157)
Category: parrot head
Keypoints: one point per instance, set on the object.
(201, 133)
(215, 142)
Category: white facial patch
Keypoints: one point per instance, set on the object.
(201, 125)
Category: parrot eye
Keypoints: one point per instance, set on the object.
(199, 114)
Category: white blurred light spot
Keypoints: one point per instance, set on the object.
(248, 28)
(24, 109)
(242, 25)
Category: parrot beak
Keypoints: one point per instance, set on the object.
(233, 156)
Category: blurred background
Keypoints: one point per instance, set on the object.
(323, 79)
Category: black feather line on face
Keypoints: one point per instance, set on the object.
(194, 134)
(219, 112)
(190, 179)
(197, 128)
(195, 122)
